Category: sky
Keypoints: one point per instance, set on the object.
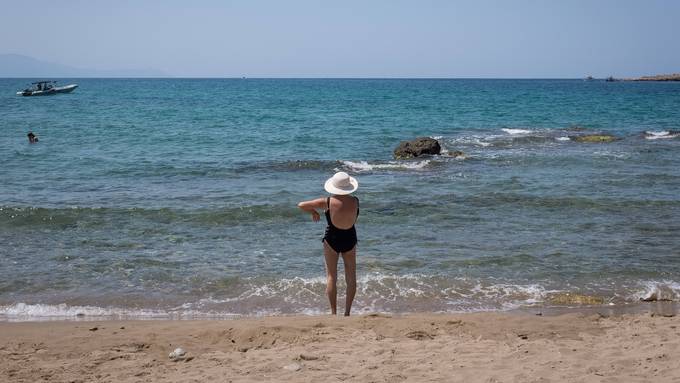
(350, 38)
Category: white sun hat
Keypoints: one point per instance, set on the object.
(341, 183)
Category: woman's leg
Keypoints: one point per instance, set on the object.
(331, 257)
(349, 259)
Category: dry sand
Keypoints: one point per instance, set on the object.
(482, 347)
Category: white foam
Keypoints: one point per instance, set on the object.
(515, 294)
(611, 154)
(46, 312)
(649, 135)
(562, 138)
(377, 292)
(473, 140)
(658, 290)
(516, 131)
(22, 311)
(363, 166)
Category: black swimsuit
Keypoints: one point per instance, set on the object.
(338, 239)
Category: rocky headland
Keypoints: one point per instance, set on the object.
(658, 77)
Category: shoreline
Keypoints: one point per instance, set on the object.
(660, 307)
(486, 346)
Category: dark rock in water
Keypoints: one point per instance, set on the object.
(655, 298)
(594, 138)
(417, 147)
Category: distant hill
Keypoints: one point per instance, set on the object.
(13, 65)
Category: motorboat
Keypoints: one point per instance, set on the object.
(46, 88)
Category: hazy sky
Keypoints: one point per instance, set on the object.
(363, 38)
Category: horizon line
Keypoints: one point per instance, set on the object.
(302, 78)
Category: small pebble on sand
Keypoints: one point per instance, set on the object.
(178, 354)
(293, 367)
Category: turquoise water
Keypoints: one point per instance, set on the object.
(177, 197)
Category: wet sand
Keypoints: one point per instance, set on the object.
(479, 347)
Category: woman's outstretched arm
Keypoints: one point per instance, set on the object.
(311, 206)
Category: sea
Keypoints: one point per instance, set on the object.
(176, 198)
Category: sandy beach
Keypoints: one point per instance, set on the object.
(476, 347)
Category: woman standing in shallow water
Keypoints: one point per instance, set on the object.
(341, 211)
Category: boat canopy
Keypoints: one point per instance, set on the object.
(43, 82)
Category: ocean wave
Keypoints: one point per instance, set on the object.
(16, 218)
(24, 311)
(364, 166)
(21, 312)
(474, 140)
(95, 216)
(664, 290)
(517, 131)
(663, 134)
(217, 170)
(263, 166)
(286, 166)
(515, 295)
(611, 154)
(485, 200)
(537, 137)
(377, 292)
(512, 139)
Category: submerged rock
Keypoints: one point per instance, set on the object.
(417, 147)
(456, 154)
(594, 138)
(576, 128)
(574, 299)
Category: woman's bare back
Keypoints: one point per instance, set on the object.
(343, 211)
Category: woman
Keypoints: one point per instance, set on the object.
(341, 212)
